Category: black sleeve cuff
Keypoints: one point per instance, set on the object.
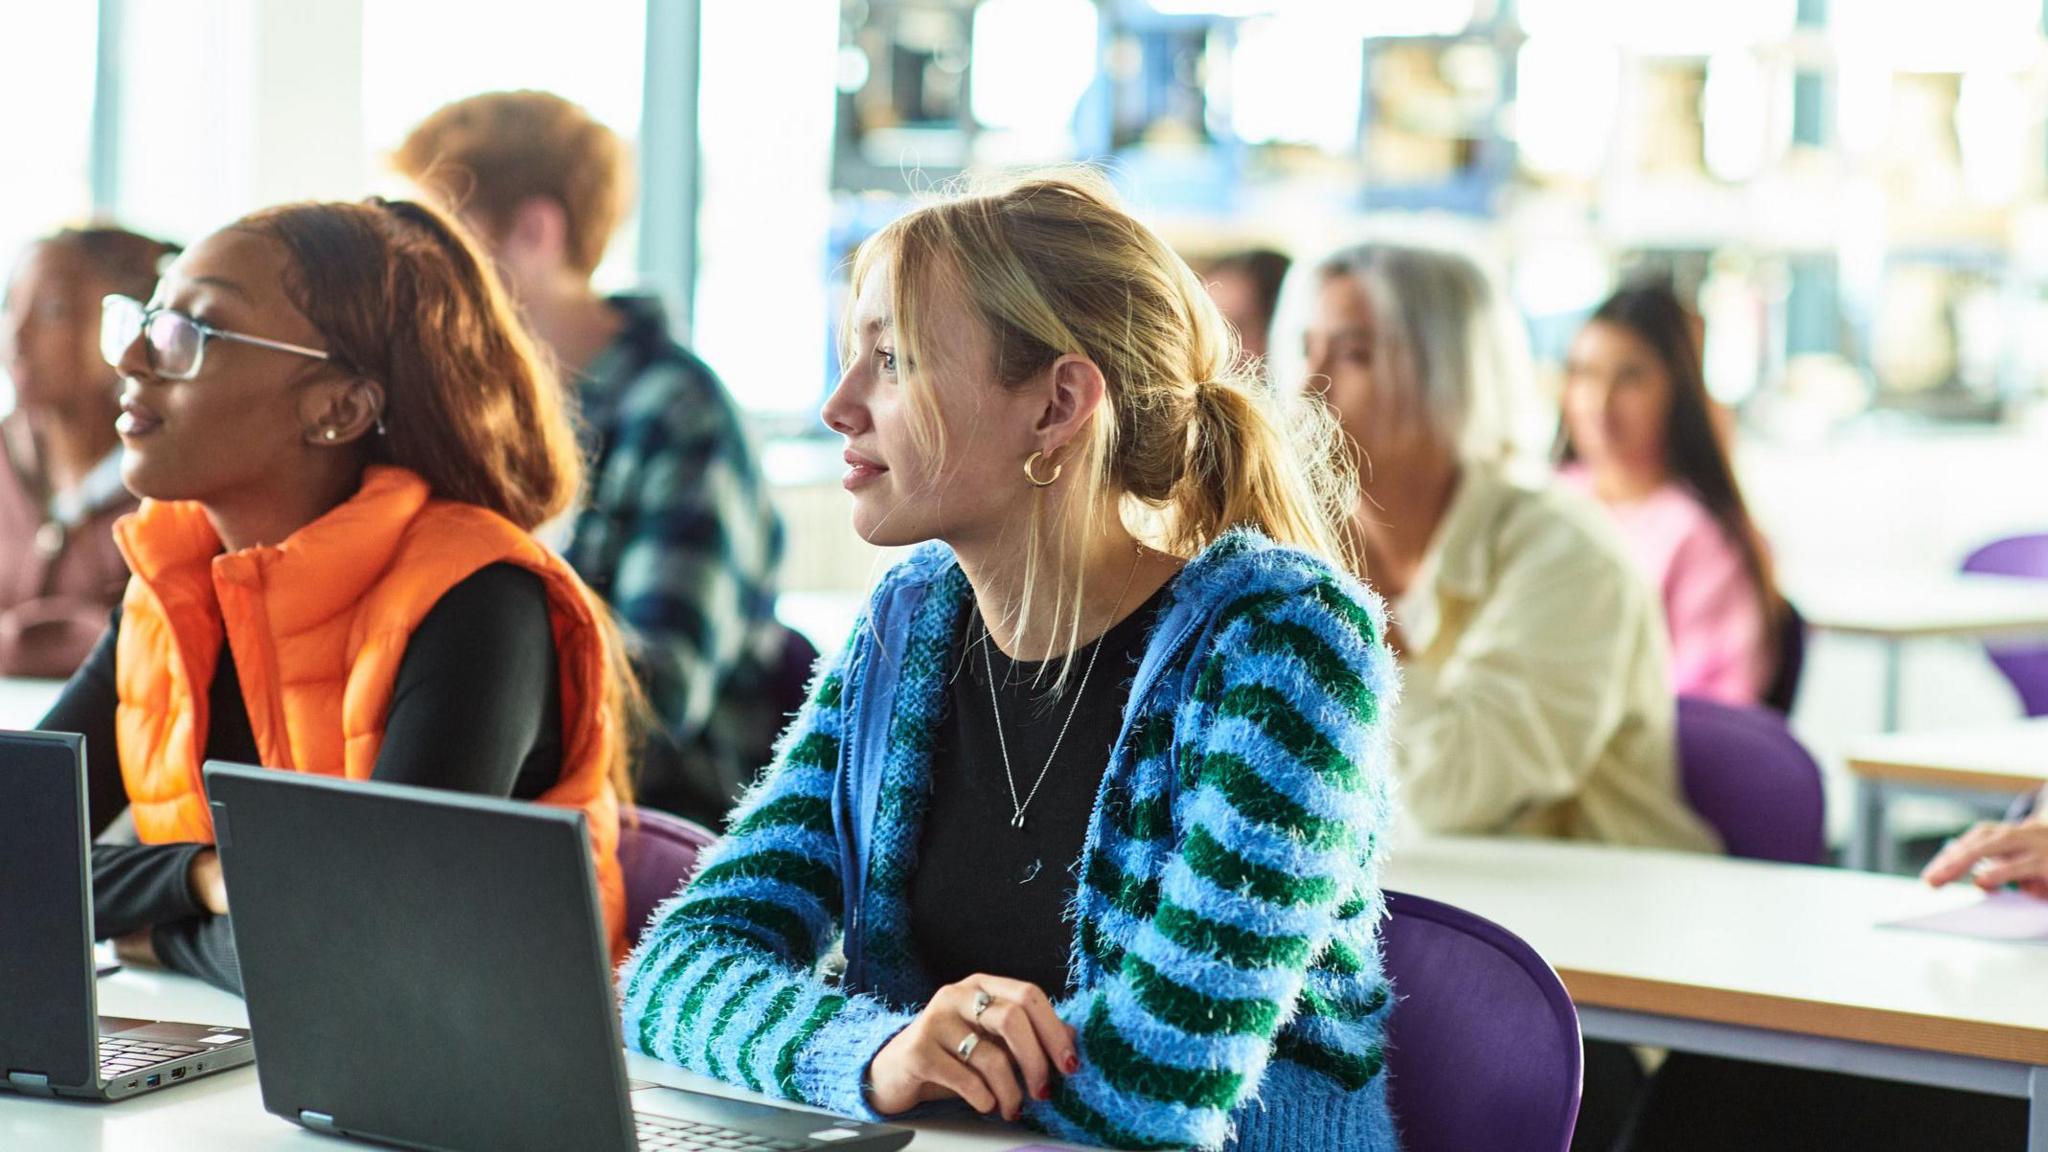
(138, 886)
(202, 947)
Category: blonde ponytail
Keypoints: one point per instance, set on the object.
(1269, 462)
(1184, 448)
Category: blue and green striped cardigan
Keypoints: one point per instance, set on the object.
(1225, 950)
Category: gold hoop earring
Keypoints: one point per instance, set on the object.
(1033, 476)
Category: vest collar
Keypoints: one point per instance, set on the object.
(328, 565)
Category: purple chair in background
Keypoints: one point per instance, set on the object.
(1783, 690)
(657, 853)
(1483, 1042)
(1750, 778)
(2025, 665)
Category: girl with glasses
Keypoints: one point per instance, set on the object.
(1093, 801)
(342, 439)
(60, 469)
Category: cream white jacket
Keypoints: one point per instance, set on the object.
(1536, 700)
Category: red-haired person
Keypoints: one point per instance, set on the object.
(675, 530)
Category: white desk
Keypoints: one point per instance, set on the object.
(23, 702)
(1767, 962)
(1958, 606)
(224, 1112)
(1985, 765)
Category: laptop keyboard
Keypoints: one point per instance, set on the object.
(666, 1135)
(119, 1057)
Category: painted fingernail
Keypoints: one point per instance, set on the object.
(1044, 1092)
(1070, 1063)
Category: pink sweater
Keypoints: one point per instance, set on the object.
(1712, 613)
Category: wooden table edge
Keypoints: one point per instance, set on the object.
(1965, 630)
(1981, 1039)
(1934, 776)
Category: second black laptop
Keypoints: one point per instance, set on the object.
(429, 969)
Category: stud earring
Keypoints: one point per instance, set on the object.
(329, 435)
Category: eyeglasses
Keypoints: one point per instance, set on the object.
(174, 342)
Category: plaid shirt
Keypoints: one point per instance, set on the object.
(679, 536)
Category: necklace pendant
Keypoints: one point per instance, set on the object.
(1017, 821)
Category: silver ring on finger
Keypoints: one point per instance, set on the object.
(981, 1002)
(965, 1049)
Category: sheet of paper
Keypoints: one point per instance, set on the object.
(1999, 916)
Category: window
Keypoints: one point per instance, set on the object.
(46, 79)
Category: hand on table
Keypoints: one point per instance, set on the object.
(1994, 855)
(1018, 1044)
(209, 886)
(136, 950)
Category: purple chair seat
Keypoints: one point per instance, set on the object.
(657, 854)
(1746, 774)
(2024, 665)
(1483, 1043)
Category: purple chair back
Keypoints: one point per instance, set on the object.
(2025, 665)
(656, 855)
(1783, 690)
(1750, 778)
(1483, 1043)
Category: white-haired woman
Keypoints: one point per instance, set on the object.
(1536, 698)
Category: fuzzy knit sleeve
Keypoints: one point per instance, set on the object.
(725, 981)
(1282, 801)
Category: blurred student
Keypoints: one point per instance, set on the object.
(675, 528)
(60, 466)
(1246, 288)
(1099, 816)
(1535, 701)
(342, 438)
(1638, 434)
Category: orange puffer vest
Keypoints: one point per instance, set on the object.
(319, 625)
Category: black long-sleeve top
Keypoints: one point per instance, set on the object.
(476, 707)
(987, 896)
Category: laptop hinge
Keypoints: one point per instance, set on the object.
(32, 1083)
(317, 1121)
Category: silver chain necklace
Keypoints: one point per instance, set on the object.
(1002, 741)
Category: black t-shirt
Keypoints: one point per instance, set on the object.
(987, 897)
(450, 725)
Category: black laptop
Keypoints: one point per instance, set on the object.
(429, 969)
(53, 1041)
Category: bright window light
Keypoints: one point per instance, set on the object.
(1660, 27)
(1564, 109)
(1295, 81)
(1033, 59)
(1735, 108)
(1410, 18)
(46, 75)
(765, 208)
(1916, 36)
(592, 52)
(1991, 125)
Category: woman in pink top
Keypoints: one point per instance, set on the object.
(60, 459)
(1639, 435)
